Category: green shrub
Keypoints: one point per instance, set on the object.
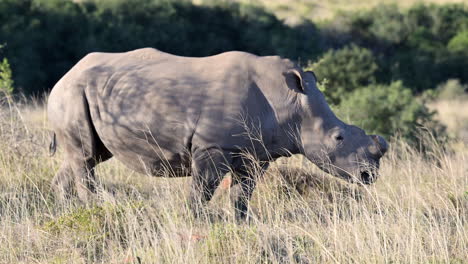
(385, 24)
(459, 43)
(345, 70)
(388, 110)
(422, 46)
(6, 80)
(92, 226)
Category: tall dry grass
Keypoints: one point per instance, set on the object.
(417, 212)
(454, 114)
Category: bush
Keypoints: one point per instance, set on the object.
(422, 46)
(91, 226)
(388, 110)
(6, 81)
(459, 43)
(345, 70)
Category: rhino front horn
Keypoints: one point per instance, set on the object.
(381, 146)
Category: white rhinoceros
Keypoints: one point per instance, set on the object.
(157, 112)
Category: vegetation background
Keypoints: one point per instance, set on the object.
(397, 68)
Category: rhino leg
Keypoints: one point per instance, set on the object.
(83, 150)
(246, 177)
(75, 178)
(62, 184)
(247, 186)
(76, 174)
(208, 168)
(85, 180)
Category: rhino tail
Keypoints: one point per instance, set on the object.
(53, 145)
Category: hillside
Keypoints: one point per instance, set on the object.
(295, 11)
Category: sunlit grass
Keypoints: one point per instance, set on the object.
(454, 114)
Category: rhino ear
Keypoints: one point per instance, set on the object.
(311, 73)
(294, 80)
(380, 143)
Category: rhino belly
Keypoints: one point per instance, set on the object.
(172, 166)
(151, 150)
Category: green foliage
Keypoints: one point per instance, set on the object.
(6, 80)
(422, 46)
(384, 24)
(345, 70)
(459, 43)
(92, 223)
(86, 222)
(387, 110)
(415, 45)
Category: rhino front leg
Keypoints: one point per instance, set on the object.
(247, 175)
(208, 168)
(247, 186)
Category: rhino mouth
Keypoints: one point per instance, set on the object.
(366, 175)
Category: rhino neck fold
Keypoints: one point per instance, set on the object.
(317, 114)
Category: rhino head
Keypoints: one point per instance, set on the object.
(340, 149)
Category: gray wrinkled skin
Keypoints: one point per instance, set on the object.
(161, 114)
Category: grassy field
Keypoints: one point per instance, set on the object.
(417, 212)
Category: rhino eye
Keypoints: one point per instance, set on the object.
(339, 138)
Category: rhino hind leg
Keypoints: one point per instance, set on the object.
(76, 174)
(62, 184)
(83, 150)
